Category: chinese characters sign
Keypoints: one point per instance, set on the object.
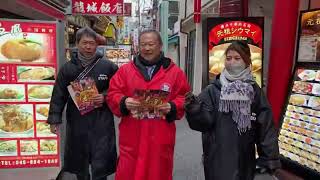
(27, 73)
(127, 9)
(109, 7)
(222, 31)
(309, 41)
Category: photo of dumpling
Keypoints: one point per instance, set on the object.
(23, 49)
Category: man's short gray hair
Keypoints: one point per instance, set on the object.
(154, 32)
(86, 31)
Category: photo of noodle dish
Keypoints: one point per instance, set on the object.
(8, 148)
(29, 147)
(16, 120)
(35, 74)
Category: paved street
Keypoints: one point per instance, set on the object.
(188, 152)
(187, 165)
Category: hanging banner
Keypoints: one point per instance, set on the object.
(97, 7)
(127, 9)
(28, 65)
(222, 31)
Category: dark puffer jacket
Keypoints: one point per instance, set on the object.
(229, 155)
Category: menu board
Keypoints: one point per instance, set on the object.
(27, 74)
(299, 138)
(120, 55)
(222, 31)
(309, 41)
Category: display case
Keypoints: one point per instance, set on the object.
(299, 138)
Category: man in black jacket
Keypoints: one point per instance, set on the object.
(90, 138)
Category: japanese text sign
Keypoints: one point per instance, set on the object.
(222, 31)
(95, 7)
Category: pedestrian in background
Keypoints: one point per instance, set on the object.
(90, 138)
(234, 115)
(147, 144)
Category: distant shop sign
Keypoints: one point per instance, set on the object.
(127, 9)
(97, 7)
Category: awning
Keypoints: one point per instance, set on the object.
(42, 7)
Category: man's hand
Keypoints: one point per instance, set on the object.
(189, 98)
(132, 104)
(164, 108)
(54, 128)
(98, 100)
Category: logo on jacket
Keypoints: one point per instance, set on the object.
(165, 87)
(253, 117)
(102, 77)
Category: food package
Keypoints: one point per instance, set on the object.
(302, 87)
(306, 74)
(314, 103)
(299, 100)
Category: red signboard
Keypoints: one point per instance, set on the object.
(127, 9)
(235, 30)
(222, 31)
(103, 7)
(28, 68)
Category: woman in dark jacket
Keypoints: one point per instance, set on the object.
(234, 116)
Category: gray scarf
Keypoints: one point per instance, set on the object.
(236, 96)
(85, 61)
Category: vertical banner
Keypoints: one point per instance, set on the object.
(222, 31)
(28, 65)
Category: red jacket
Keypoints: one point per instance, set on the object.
(147, 146)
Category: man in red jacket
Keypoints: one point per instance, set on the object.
(147, 143)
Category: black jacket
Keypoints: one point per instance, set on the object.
(91, 137)
(227, 154)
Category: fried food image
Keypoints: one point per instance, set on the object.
(40, 92)
(38, 73)
(43, 127)
(22, 49)
(8, 93)
(44, 111)
(117, 53)
(48, 145)
(14, 119)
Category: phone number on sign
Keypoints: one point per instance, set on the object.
(28, 162)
